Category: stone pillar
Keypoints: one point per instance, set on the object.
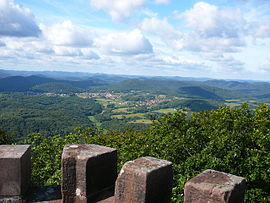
(144, 180)
(15, 171)
(215, 187)
(87, 170)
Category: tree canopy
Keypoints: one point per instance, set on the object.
(235, 141)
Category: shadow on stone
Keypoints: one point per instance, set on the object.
(45, 193)
(103, 197)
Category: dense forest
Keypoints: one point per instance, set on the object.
(24, 114)
(232, 140)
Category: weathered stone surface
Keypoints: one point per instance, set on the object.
(15, 169)
(144, 180)
(215, 187)
(86, 171)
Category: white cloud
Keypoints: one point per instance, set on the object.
(16, 20)
(149, 13)
(195, 43)
(131, 43)
(2, 44)
(162, 28)
(71, 51)
(118, 10)
(212, 29)
(158, 27)
(211, 21)
(177, 60)
(225, 60)
(20, 48)
(67, 51)
(191, 41)
(174, 65)
(162, 1)
(260, 30)
(40, 47)
(211, 43)
(265, 66)
(66, 34)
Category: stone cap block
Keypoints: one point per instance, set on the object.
(145, 165)
(13, 151)
(85, 151)
(144, 180)
(213, 187)
(87, 170)
(15, 169)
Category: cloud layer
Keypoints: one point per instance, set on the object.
(118, 10)
(66, 34)
(131, 43)
(158, 37)
(211, 21)
(17, 21)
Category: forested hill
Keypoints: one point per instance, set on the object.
(43, 84)
(23, 114)
(177, 86)
(173, 87)
(3, 75)
(19, 83)
(256, 89)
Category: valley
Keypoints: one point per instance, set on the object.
(48, 105)
(208, 121)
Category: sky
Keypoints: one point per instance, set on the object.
(223, 39)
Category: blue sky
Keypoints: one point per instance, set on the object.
(227, 39)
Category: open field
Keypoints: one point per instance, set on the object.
(134, 115)
(118, 116)
(120, 110)
(104, 100)
(137, 107)
(232, 105)
(233, 100)
(166, 111)
(141, 121)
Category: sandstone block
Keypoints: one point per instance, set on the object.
(144, 180)
(15, 169)
(215, 187)
(86, 171)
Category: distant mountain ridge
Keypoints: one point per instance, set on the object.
(190, 89)
(67, 82)
(20, 83)
(248, 88)
(63, 75)
(37, 83)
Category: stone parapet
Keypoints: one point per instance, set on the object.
(89, 174)
(215, 187)
(15, 170)
(87, 170)
(145, 179)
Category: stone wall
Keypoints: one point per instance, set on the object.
(89, 174)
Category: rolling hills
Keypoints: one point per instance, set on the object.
(206, 89)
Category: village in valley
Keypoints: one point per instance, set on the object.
(135, 107)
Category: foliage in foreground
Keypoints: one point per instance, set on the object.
(235, 141)
(5, 138)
